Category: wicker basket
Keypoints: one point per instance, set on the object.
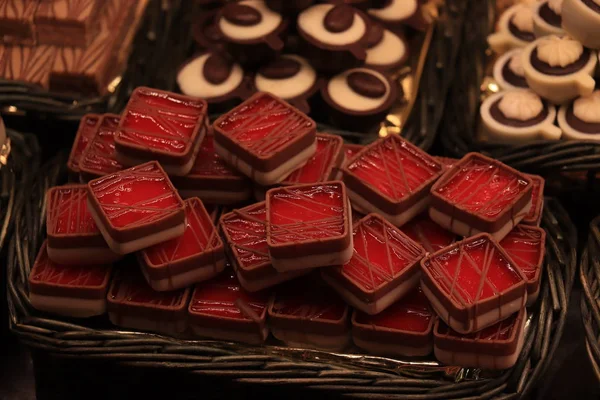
(461, 117)
(272, 365)
(590, 300)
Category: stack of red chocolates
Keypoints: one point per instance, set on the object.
(374, 258)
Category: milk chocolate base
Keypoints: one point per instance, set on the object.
(166, 271)
(227, 324)
(497, 114)
(313, 326)
(467, 313)
(388, 336)
(475, 221)
(580, 125)
(512, 78)
(572, 68)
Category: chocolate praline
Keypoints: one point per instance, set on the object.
(251, 31)
(508, 71)
(572, 68)
(582, 123)
(386, 49)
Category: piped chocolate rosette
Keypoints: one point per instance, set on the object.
(581, 119)
(394, 13)
(581, 19)
(289, 6)
(206, 34)
(515, 29)
(559, 68)
(252, 32)
(508, 71)
(215, 78)
(516, 116)
(547, 18)
(386, 50)
(333, 37)
(359, 97)
(290, 77)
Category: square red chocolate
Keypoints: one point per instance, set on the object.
(391, 177)
(384, 266)
(161, 126)
(403, 329)
(220, 309)
(133, 304)
(212, 180)
(526, 246)
(304, 312)
(265, 138)
(86, 131)
(70, 290)
(495, 347)
(480, 194)
(534, 216)
(73, 236)
(309, 226)
(195, 256)
(136, 208)
(245, 231)
(473, 283)
(99, 157)
(16, 21)
(427, 233)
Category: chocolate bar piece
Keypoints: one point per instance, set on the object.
(16, 21)
(384, 266)
(28, 64)
(222, 310)
(306, 313)
(480, 194)
(473, 284)
(99, 157)
(403, 329)
(309, 226)
(70, 290)
(195, 256)
(73, 236)
(136, 208)
(85, 133)
(245, 231)
(67, 22)
(495, 347)
(133, 304)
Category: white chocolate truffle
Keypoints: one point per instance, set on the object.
(587, 108)
(559, 52)
(521, 105)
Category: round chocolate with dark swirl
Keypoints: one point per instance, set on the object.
(289, 77)
(507, 119)
(359, 98)
(581, 118)
(559, 56)
(333, 37)
(508, 71)
(252, 32)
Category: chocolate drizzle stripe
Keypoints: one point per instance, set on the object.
(252, 235)
(131, 286)
(331, 147)
(48, 272)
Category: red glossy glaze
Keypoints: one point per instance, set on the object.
(200, 237)
(209, 164)
(87, 130)
(412, 313)
(246, 230)
(473, 271)
(48, 273)
(500, 331)
(427, 233)
(161, 121)
(304, 300)
(264, 125)
(99, 158)
(130, 288)
(221, 297)
(350, 150)
(318, 167)
(525, 246)
(138, 195)
(307, 213)
(395, 168)
(381, 254)
(67, 212)
(537, 191)
(483, 188)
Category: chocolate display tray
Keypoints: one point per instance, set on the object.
(461, 116)
(161, 27)
(348, 373)
(590, 300)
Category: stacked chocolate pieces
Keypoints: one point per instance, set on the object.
(74, 46)
(374, 258)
